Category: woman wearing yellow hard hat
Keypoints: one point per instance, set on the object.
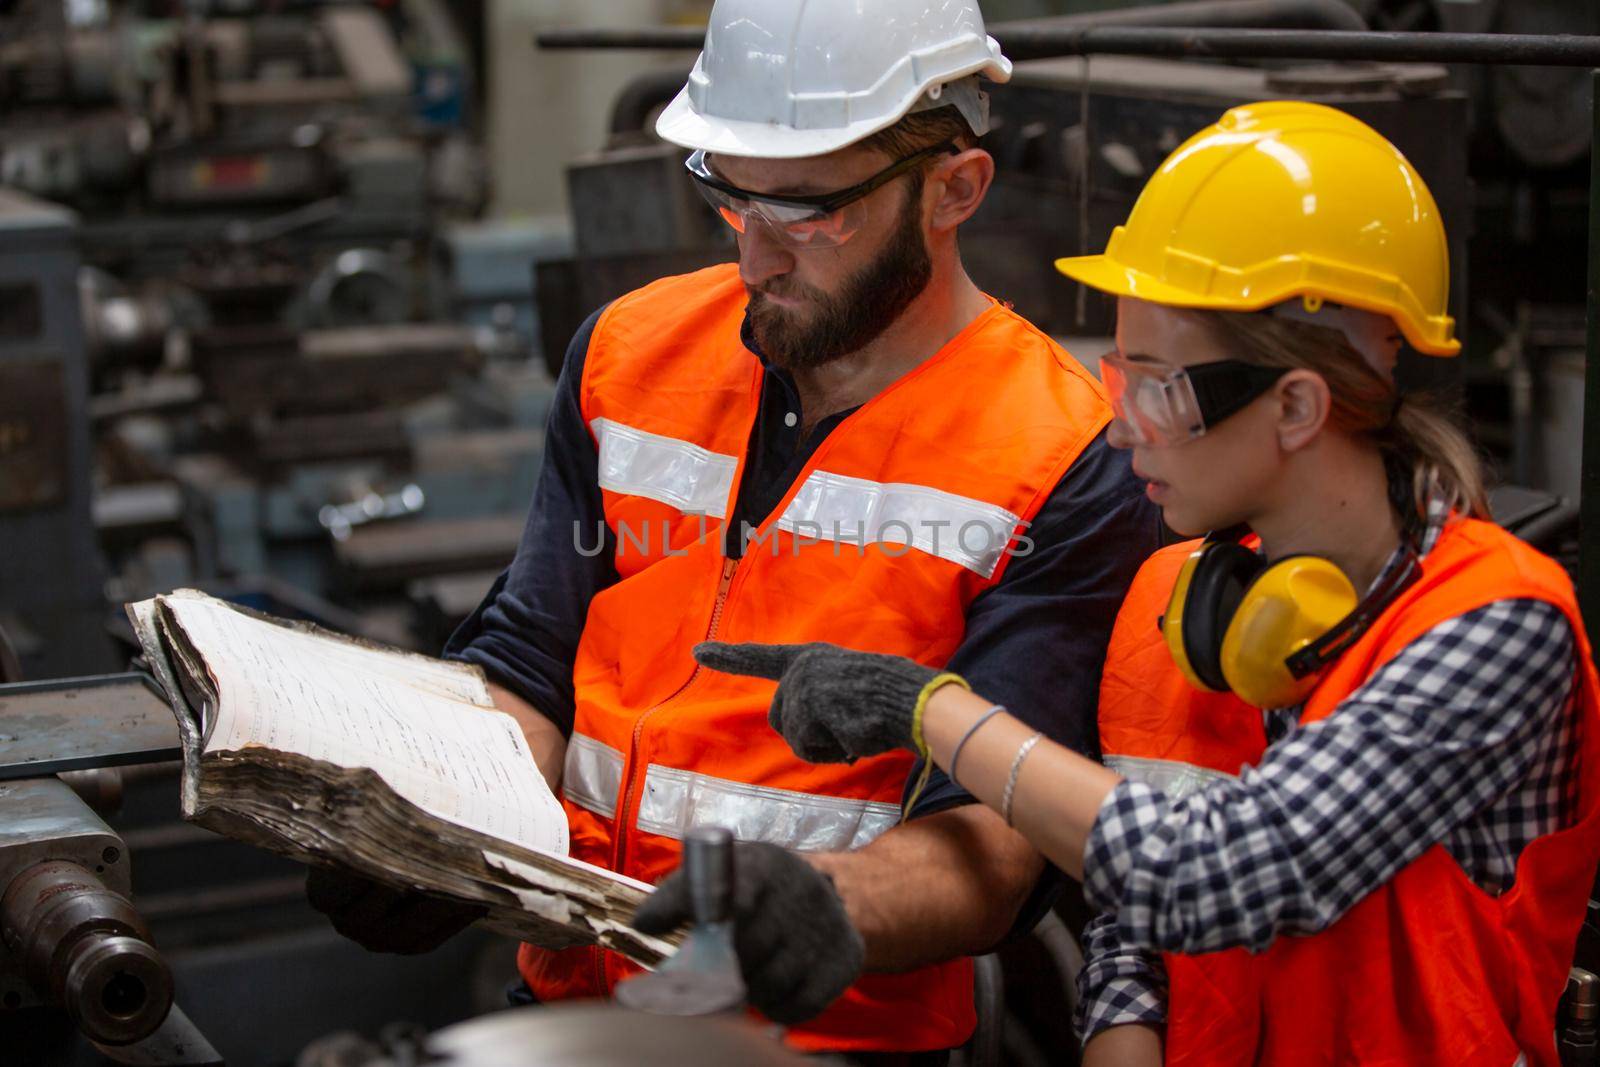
(1340, 819)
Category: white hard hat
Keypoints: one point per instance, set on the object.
(779, 79)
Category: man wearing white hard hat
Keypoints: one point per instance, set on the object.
(839, 439)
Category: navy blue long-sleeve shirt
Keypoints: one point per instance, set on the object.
(1035, 641)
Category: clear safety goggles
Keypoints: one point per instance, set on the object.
(1159, 404)
(802, 222)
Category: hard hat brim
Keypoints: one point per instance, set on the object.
(682, 125)
(1104, 273)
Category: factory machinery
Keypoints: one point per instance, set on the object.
(253, 339)
(248, 303)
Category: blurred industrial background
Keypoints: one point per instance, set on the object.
(284, 285)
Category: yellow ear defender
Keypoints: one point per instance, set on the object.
(1266, 630)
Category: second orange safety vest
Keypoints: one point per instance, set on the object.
(904, 513)
(1426, 971)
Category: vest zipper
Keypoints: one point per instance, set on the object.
(619, 853)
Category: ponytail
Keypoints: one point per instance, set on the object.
(1435, 452)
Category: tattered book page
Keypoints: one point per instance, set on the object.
(426, 727)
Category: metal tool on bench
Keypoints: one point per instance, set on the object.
(702, 977)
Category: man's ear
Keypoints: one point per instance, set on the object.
(960, 183)
(1304, 403)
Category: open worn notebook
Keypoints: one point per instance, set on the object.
(386, 763)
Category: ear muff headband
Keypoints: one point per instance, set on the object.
(1333, 644)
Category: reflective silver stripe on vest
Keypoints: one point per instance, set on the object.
(592, 777)
(839, 508)
(666, 469)
(1172, 777)
(677, 801)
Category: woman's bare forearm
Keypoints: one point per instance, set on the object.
(1058, 792)
(1132, 1045)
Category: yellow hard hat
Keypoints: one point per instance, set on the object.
(1278, 200)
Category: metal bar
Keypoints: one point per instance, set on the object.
(1212, 14)
(655, 37)
(1286, 14)
(1493, 48)
(1589, 496)
(73, 724)
(1024, 41)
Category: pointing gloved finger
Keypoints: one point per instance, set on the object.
(666, 909)
(752, 659)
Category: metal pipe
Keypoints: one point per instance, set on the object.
(1213, 14)
(1044, 41)
(1495, 48)
(1296, 14)
(1589, 491)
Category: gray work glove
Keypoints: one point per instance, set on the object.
(381, 919)
(797, 949)
(833, 705)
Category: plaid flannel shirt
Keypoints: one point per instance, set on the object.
(1464, 738)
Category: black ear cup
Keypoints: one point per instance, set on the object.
(1223, 572)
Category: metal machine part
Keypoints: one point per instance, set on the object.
(361, 287)
(83, 724)
(53, 586)
(1542, 113)
(639, 199)
(70, 937)
(593, 1035)
(1579, 1019)
(702, 977)
(371, 506)
(86, 949)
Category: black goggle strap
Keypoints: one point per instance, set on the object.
(1348, 630)
(1222, 388)
(826, 204)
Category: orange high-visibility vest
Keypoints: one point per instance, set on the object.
(899, 519)
(1426, 970)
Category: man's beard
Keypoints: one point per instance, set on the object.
(868, 302)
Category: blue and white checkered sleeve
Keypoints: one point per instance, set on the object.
(1443, 729)
(1117, 984)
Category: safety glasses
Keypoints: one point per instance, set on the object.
(802, 222)
(1159, 404)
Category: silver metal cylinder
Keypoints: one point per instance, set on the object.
(84, 948)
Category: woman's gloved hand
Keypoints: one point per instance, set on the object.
(835, 705)
(797, 948)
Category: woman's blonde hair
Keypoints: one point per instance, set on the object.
(1425, 451)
